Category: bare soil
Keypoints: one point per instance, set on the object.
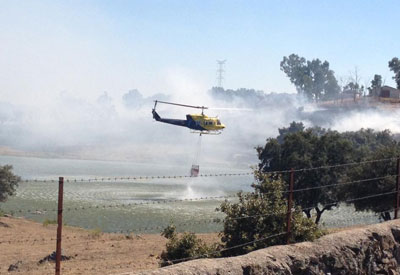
(24, 243)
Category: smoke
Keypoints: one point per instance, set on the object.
(121, 127)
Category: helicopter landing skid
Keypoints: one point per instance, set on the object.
(205, 132)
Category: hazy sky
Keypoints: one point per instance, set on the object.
(87, 47)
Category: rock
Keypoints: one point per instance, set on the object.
(14, 267)
(2, 224)
(52, 258)
(373, 249)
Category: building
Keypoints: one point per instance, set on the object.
(388, 94)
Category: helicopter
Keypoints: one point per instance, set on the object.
(198, 123)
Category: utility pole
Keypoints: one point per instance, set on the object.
(220, 72)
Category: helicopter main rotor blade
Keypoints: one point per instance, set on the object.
(182, 105)
(231, 109)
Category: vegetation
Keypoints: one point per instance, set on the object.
(8, 182)
(258, 219)
(95, 233)
(385, 182)
(297, 147)
(376, 83)
(312, 78)
(394, 65)
(184, 247)
(250, 97)
(46, 222)
(354, 88)
(267, 209)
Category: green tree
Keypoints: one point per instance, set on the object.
(295, 68)
(311, 147)
(294, 127)
(299, 148)
(394, 66)
(351, 86)
(383, 172)
(261, 214)
(8, 182)
(376, 83)
(312, 78)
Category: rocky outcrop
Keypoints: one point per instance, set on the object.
(369, 250)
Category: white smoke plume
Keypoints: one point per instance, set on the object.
(122, 128)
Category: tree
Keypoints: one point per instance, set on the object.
(299, 148)
(261, 214)
(294, 127)
(382, 146)
(394, 66)
(133, 99)
(367, 141)
(351, 86)
(8, 182)
(312, 147)
(312, 78)
(376, 83)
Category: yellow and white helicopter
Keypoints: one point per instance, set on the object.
(198, 123)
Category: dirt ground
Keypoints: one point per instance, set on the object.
(24, 243)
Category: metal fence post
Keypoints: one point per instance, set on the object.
(289, 208)
(59, 222)
(397, 188)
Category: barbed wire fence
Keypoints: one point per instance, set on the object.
(290, 193)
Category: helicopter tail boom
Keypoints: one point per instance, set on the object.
(178, 122)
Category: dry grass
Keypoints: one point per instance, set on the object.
(93, 251)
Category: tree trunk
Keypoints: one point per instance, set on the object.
(308, 213)
(386, 216)
(319, 214)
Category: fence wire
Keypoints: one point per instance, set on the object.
(79, 240)
(205, 198)
(138, 178)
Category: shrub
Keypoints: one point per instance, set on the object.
(95, 233)
(46, 222)
(8, 182)
(184, 247)
(267, 209)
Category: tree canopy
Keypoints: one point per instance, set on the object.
(394, 66)
(8, 182)
(311, 147)
(265, 210)
(312, 78)
(376, 83)
(299, 147)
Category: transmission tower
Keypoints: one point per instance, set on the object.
(220, 72)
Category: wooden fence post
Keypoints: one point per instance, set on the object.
(289, 208)
(397, 188)
(59, 222)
